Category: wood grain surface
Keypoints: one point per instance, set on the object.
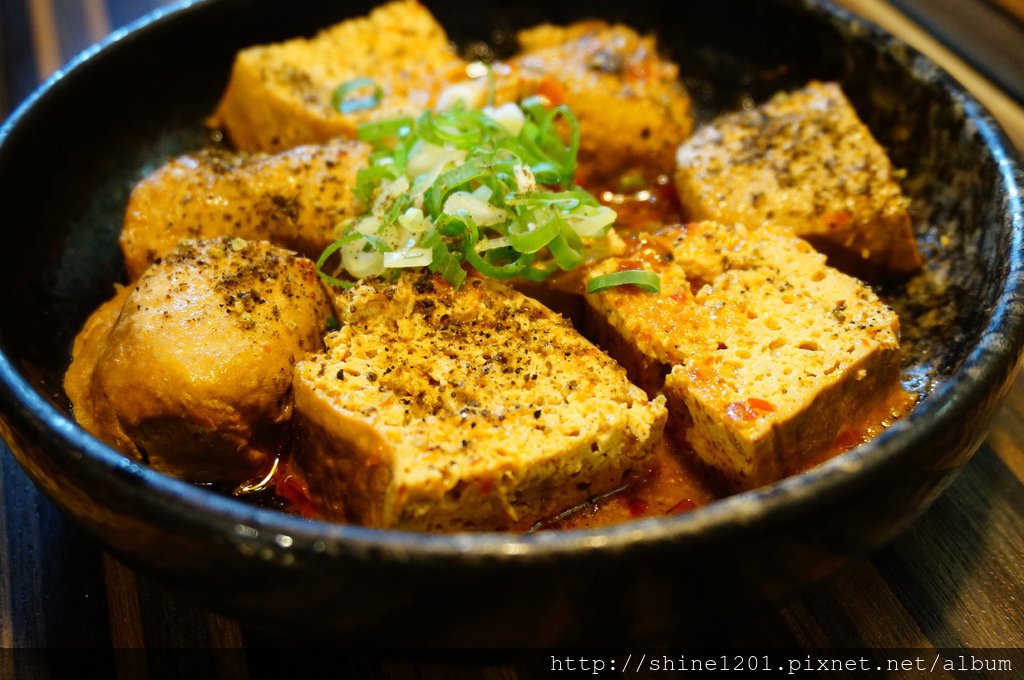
(955, 579)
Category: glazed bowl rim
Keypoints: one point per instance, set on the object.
(990, 362)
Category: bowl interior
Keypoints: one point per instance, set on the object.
(68, 162)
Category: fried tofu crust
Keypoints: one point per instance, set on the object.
(803, 161)
(441, 410)
(191, 368)
(765, 351)
(280, 95)
(633, 111)
(296, 199)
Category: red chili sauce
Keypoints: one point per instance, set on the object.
(677, 481)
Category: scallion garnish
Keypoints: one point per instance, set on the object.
(382, 129)
(640, 278)
(491, 189)
(342, 101)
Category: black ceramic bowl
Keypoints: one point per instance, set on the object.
(69, 156)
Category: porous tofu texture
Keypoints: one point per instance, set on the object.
(767, 350)
(803, 161)
(279, 95)
(633, 111)
(296, 199)
(440, 410)
(190, 369)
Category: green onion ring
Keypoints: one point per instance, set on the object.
(492, 167)
(532, 241)
(330, 250)
(380, 129)
(640, 278)
(341, 102)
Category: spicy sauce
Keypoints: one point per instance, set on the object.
(679, 482)
(676, 483)
(642, 205)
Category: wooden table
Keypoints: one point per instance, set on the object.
(955, 579)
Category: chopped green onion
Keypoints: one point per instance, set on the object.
(367, 179)
(537, 273)
(534, 239)
(564, 200)
(342, 102)
(591, 221)
(414, 257)
(492, 244)
(534, 107)
(567, 248)
(330, 250)
(459, 188)
(640, 278)
(448, 265)
(378, 130)
(632, 182)
(449, 181)
(487, 268)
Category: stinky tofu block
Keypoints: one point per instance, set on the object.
(280, 95)
(633, 111)
(436, 409)
(803, 161)
(190, 368)
(765, 352)
(296, 199)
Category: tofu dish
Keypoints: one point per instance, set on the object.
(413, 291)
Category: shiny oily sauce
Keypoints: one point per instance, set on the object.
(678, 481)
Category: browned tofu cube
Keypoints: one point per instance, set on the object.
(803, 161)
(296, 199)
(190, 369)
(442, 410)
(767, 350)
(280, 95)
(632, 109)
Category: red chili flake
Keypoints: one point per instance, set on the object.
(848, 438)
(681, 296)
(684, 505)
(294, 490)
(638, 73)
(637, 506)
(702, 375)
(839, 219)
(748, 409)
(552, 91)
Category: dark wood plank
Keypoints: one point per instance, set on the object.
(956, 578)
(863, 592)
(17, 58)
(45, 37)
(1007, 437)
(960, 570)
(6, 628)
(56, 584)
(1013, 8)
(122, 12)
(72, 27)
(979, 34)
